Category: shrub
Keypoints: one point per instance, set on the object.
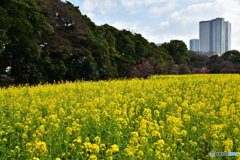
(174, 69)
(200, 71)
(142, 70)
(184, 69)
(228, 69)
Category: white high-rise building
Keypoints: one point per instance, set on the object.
(215, 36)
(227, 36)
(204, 36)
(194, 45)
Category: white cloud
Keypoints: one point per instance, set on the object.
(137, 6)
(157, 11)
(163, 24)
(107, 6)
(90, 5)
(132, 3)
(131, 26)
(102, 6)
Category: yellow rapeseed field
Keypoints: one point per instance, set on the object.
(163, 117)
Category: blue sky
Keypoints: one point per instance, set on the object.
(163, 20)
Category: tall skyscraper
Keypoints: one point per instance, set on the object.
(194, 45)
(204, 36)
(215, 36)
(227, 36)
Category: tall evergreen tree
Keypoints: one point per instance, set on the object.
(178, 50)
(4, 25)
(21, 49)
(232, 55)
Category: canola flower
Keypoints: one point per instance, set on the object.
(163, 117)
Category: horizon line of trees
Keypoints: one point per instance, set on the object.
(47, 41)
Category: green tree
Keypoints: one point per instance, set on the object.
(232, 55)
(67, 52)
(21, 49)
(126, 48)
(91, 49)
(163, 54)
(178, 50)
(197, 60)
(4, 26)
(107, 33)
(184, 69)
(215, 64)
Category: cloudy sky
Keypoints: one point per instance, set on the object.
(163, 20)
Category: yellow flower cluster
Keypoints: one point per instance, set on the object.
(163, 117)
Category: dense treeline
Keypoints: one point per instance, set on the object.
(47, 40)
